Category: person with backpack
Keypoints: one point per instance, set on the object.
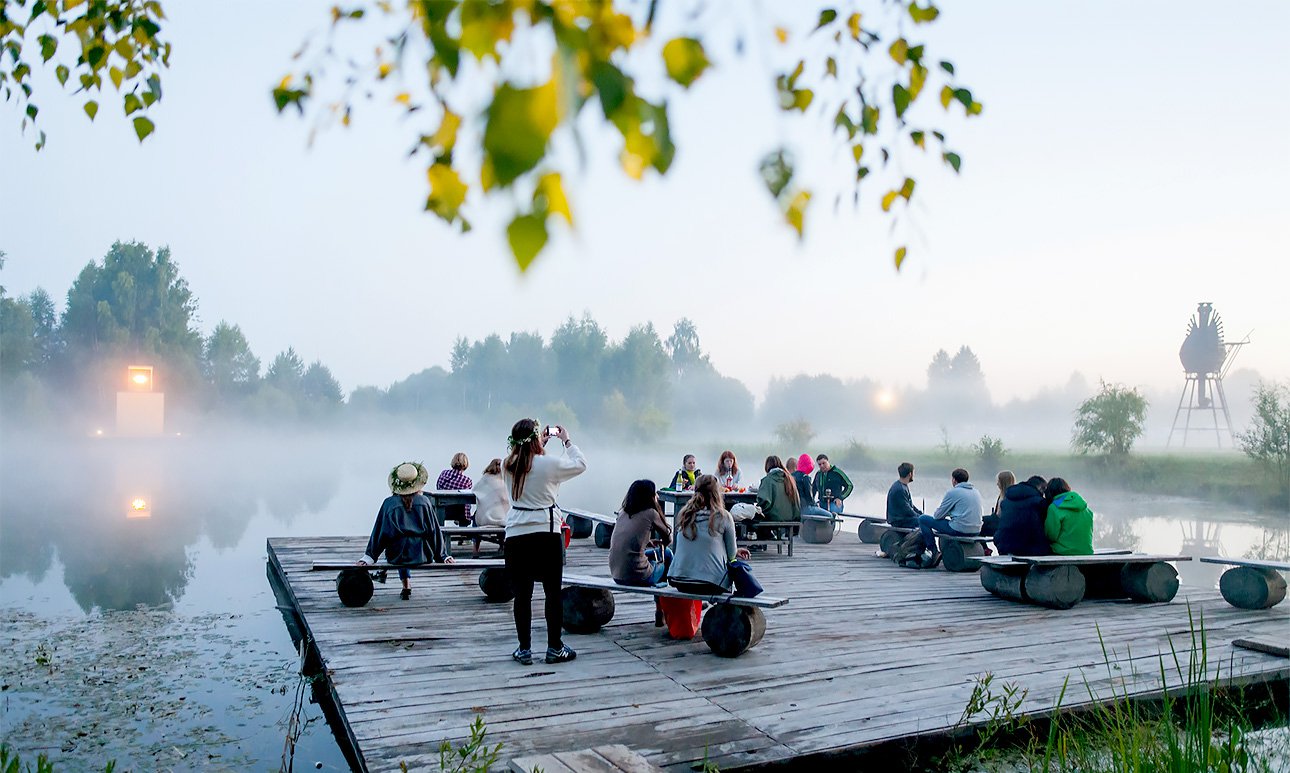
(959, 514)
(534, 531)
(1022, 512)
(1069, 523)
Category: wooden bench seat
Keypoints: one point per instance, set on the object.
(731, 625)
(355, 584)
(791, 527)
(1061, 582)
(1251, 583)
(819, 529)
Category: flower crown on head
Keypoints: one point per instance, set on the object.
(512, 443)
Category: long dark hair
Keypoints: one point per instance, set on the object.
(790, 486)
(524, 445)
(1056, 487)
(707, 496)
(641, 496)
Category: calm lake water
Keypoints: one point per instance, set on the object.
(139, 624)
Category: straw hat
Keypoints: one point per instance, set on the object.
(408, 478)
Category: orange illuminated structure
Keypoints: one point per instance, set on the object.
(140, 409)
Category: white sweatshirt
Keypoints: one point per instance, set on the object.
(541, 486)
(492, 501)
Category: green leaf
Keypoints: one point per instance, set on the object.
(612, 86)
(947, 66)
(953, 160)
(831, 67)
(900, 96)
(919, 138)
(907, 189)
(519, 124)
(48, 45)
(132, 104)
(900, 256)
(62, 72)
(527, 236)
(31, 111)
(685, 60)
(91, 109)
(826, 17)
(142, 127)
(923, 15)
(869, 119)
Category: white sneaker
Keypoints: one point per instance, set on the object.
(880, 554)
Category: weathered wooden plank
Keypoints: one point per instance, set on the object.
(1280, 566)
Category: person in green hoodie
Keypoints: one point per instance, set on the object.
(777, 496)
(1069, 525)
(831, 485)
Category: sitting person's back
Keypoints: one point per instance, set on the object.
(777, 495)
(492, 499)
(705, 541)
(639, 519)
(1069, 523)
(1022, 513)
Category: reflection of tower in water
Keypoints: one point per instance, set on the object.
(1202, 538)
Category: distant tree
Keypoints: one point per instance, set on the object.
(1267, 440)
(47, 343)
(989, 452)
(1109, 422)
(134, 305)
(795, 434)
(940, 370)
(319, 388)
(686, 352)
(285, 372)
(367, 399)
(579, 348)
(17, 337)
(638, 366)
(430, 391)
(229, 366)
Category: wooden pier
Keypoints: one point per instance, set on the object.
(864, 652)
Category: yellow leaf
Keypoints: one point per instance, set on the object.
(917, 78)
(900, 257)
(552, 189)
(685, 60)
(487, 175)
(795, 212)
(447, 191)
(907, 189)
(857, 151)
(617, 29)
(853, 24)
(888, 199)
(446, 135)
(384, 70)
(947, 96)
(899, 51)
(781, 35)
(286, 82)
(403, 98)
(116, 75)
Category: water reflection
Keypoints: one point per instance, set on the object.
(123, 517)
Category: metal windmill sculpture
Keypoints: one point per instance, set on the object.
(1206, 358)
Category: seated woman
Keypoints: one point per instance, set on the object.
(705, 542)
(1069, 524)
(455, 479)
(777, 497)
(406, 530)
(492, 500)
(990, 522)
(802, 478)
(684, 478)
(728, 470)
(641, 517)
(1022, 512)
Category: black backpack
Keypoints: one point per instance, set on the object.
(910, 551)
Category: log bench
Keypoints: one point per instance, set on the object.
(1061, 582)
(819, 529)
(1251, 583)
(781, 527)
(731, 626)
(961, 553)
(355, 584)
(871, 528)
(585, 523)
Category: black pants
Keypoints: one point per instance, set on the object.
(533, 558)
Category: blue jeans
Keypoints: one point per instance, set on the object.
(813, 510)
(658, 568)
(930, 526)
(835, 507)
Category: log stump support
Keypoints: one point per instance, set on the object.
(816, 531)
(603, 534)
(960, 556)
(579, 526)
(1006, 582)
(1149, 583)
(354, 586)
(496, 584)
(731, 630)
(1249, 587)
(586, 610)
(1056, 587)
(871, 532)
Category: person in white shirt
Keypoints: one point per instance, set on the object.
(492, 500)
(533, 530)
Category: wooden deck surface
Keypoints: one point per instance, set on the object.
(865, 651)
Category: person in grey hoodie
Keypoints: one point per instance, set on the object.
(960, 513)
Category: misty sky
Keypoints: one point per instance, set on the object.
(1131, 160)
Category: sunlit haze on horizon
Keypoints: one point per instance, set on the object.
(1126, 167)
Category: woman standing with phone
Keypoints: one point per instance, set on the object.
(533, 536)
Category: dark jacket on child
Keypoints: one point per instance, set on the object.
(1021, 522)
(407, 535)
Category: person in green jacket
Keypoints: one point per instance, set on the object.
(777, 497)
(1069, 524)
(831, 485)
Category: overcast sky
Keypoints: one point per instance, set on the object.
(1132, 159)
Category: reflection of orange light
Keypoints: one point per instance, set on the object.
(139, 378)
(139, 508)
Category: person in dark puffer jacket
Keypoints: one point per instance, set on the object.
(1021, 519)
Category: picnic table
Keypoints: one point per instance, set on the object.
(441, 499)
(679, 498)
(1251, 583)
